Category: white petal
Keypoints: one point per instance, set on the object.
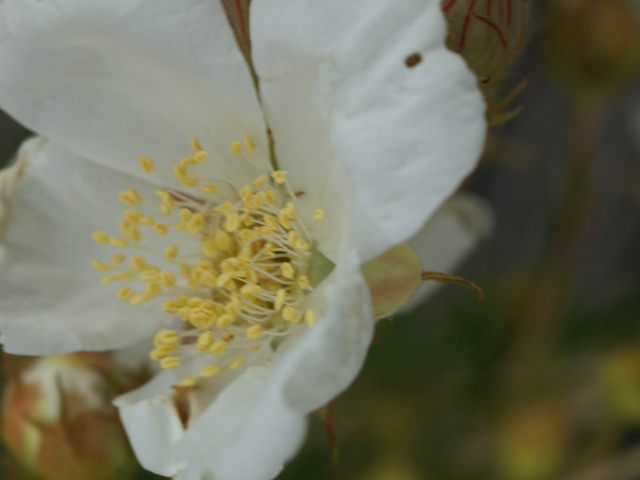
(448, 238)
(153, 423)
(51, 300)
(116, 79)
(257, 423)
(338, 95)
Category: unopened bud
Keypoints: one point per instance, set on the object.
(58, 422)
(489, 34)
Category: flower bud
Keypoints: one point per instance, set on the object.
(593, 46)
(489, 34)
(58, 421)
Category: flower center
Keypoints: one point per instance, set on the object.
(232, 261)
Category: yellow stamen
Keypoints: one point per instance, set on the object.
(254, 332)
(290, 314)
(209, 189)
(310, 317)
(98, 265)
(279, 176)
(236, 148)
(119, 242)
(318, 214)
(249, 145)
(303, 282)
(218, 348)
(139, 298)
(195, 145)
(279, 300)
(171, 252)
(287, 270)
(209, 371)
(237, 363)
(147, 164)
(125, 294)
(170, 362)
(100, 237)
(188, 381)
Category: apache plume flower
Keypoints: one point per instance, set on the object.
(244, 216)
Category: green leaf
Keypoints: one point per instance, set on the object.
(393, 278)
(319, 267)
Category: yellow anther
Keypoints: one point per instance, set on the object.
(236, 148)
(167, 278)
(116, 259)
(98, 265)
(254, 332)
(292, 238)
(132, 233)
(119, 242)
(100, 237)
(201, 156)
(196, 224)
(246, 193)
(223, 279)
(153, 289)
(271, 195)
(195, 145)
(260, 181)
(237, 363)
(301, 245)
(218, 348)
(209, 248)
(148, 275)
(132, 216)
(303, 282)
(138, 263)
(188, 181)
(139, 298)
(284, 219)
(109, 279)
(268, 250)
(247, 220)
(170, 306)
(223, 240)
(184, 313)
(318, 214)
(171, 252)
(290, 210)
(290, 314)
(232, 222)
(249, 145)
(232, 309)
(161, 229)
(125, 294)
(185, 270)
(278, 303)
(147, 164)
(204, 341)
(226, 207)
(133, 196)
(170, 362)
(224, 321)
(252, 276)
(166, 349)
(147, 221)
(249, 289)
(209, 371)
(209, 189)
(156, 354)
(188, 381)
(310, 317)
(167, 336)
(279, 176)
(186, 214)
(287, 270)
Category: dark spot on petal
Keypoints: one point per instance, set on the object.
(413, 60)
(299, 193)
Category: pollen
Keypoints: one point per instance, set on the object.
(229, 259)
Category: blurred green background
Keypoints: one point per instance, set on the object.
(541, 380)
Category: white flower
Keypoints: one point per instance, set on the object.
(372, 144)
